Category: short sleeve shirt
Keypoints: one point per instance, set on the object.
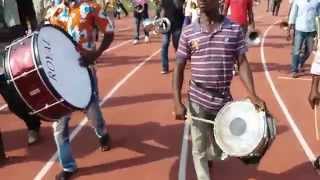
(79, 20)
(239, 10)
(212, 56)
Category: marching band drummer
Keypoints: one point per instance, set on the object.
(139, 17)
(211, 75)
(173, 10)
(78, 18)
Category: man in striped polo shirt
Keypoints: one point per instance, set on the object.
(213, 44)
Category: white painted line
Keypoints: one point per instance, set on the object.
(3, 107)
(184, 151)
(117, 46)
(284, 109)
(84, 121)
(290, 78)
(123, 29)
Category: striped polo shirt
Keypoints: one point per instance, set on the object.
(212, 56)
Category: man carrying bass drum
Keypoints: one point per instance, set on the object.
(67, 16)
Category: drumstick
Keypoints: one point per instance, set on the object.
(316, 121)
(201, 119)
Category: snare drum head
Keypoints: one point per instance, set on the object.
(239, 128)
(59, 59)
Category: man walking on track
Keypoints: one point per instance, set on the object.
(211, 75)
(79, 18)
(173, 10)
(302, 15)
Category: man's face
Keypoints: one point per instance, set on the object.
(208, 5)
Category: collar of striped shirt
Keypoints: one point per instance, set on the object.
(198, 27)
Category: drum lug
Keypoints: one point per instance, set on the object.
(46, 107)
(23, 74)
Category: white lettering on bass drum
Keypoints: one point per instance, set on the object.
(49, 60)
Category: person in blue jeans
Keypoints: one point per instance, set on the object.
(61, 131)
(303, 14)
(139, 17)
(173, 10)
(67, 17)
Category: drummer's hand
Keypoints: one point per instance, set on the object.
(259, 103)
(288, 36)
(314, 99)
(180, 112)
(88, 58)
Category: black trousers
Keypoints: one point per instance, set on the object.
(2, 152)
(27, 13)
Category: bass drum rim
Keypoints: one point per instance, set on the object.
(42, 73)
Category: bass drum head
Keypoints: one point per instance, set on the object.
(239, 128)
(57, 54)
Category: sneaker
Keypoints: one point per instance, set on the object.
(316, 163)
(64, 175)
(33, 137)
(164, 72)
(105, 142)
(146, 39)
(134, 42)
(294, 75)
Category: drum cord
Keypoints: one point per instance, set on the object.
(189, 116)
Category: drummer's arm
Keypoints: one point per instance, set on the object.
(106, 41)
(105, 25)
(314, 95)
(182, 55)
(246, 77)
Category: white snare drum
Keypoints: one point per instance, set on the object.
(240, 130)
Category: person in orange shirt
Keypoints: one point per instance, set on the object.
(79, 18)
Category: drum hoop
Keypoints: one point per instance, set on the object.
(61, 30)
(46, 82)
(220, 144)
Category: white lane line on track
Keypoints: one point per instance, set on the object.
(3, 107)
(123, 29)
(84, 121)
(184, 151)
(281, 103)
(290, 78)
